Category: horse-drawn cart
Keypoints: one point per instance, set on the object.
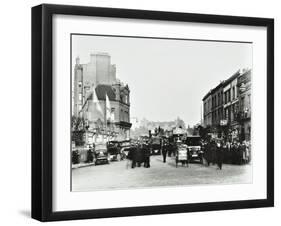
(182, 155)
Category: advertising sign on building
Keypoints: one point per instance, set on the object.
(223, 122)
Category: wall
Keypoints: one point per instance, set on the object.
(16, 125)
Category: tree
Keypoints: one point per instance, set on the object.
(77, 123)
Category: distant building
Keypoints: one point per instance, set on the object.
(97, 79)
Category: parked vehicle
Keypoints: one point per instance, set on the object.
(155, 146)
(101, 154)
(125, 147)
(194, 147)
(115, 151)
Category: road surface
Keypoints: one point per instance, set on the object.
(120, 175)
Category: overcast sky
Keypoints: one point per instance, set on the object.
(167, 78)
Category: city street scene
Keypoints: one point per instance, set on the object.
(159, 112)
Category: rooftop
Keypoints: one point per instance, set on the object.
(102, 90)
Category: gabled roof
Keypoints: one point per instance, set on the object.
(102, 90)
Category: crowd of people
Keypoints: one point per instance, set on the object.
(215, 151)
(219, 152)
(139, 154)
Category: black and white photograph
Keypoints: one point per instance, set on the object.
(151, 112)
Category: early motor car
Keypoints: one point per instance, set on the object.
(101, 154)
(194, 147)
(115, 151)
(155, 146)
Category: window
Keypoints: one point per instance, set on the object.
(242, 103)
(215, 101)
(80, 97)
(226, 114)
(112, 114)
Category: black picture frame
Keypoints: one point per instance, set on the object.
(42, 107)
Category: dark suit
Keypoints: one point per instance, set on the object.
(219, 155)
(146, 155)
(164, 151)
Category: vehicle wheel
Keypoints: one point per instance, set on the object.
(118, 157)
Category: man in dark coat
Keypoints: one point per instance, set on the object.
(146, 154)
(219, 154)
(213, 152)
(131, 156)
(164, 150)
(207, 152)
(139, 155)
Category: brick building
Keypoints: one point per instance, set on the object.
(217, 105)
(227, 107)
(207, 109)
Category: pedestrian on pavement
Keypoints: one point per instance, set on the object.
(240, 154)
(219, 154)
(213, 152)
(131, 157)
(247, 152)
(207, 153)
(146, 153)
(164, 150)
(233, 152)
(139, 155)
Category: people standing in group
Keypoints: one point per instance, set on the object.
(232, 152)
(139, 155)
(132, 156)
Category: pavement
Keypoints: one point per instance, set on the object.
(120, 175)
